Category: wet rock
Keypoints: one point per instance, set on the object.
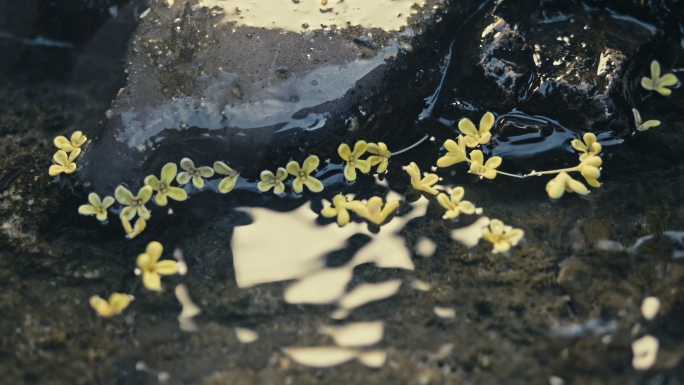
(210, 85)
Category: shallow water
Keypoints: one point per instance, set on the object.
(562, 306)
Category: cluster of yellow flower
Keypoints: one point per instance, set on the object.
(658, 84)
(151, 269)
(64, 163)
(373, 211)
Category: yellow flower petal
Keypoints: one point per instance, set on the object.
(168, 173)
(119, 301)
(154, 249)
(655, 69)
(87, 210)
(183, 178)
(293, 168)
(227, 184)
(467, 127)
(668, 80)
(349, 172)
(279, 188)
(100, 305)
(206, 172)
(486, 123)
(310, 164)
(123, 195)
(313, 184)
(167, 267)
(198, 182)
(187, 164)
(151, 280)
(344, 152)
(297, 185)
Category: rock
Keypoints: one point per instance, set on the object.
(211, 83)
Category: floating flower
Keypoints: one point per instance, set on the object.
(116, 304)
(502, 237)
(339, 209)
(643, 126)
(193, 173)
(352, 159)
(562, 183)
(227, 183)
(64, 163)
(456, 152)
(479, 167)
(66, 145)
(455, 205)
(589, 148)
(381, 156)
(163, 186)
(424, 184)
(96, 207)
(303, 175)
(374, 212)
(135, 204)
(268, 181)
(132, 232)
(658, 83)
(589, 168)
(473, 137)
(151, 268)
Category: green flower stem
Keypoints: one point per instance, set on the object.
(535, 173)
(411, 146)
(513, 175)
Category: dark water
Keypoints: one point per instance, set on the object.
(562, 305)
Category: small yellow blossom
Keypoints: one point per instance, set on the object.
(424, 184)
(303, 175)
(135, 204)
(116, 304)
(163, 186)
(658, 83)
(66, 145)
(589, 148)
(456, 152)
(268, 181)
(455, 205)
(562, 183)
(64, 163)
(352, 159)
(381, 156)
(227, 183)
(339, 209)
(374, 212)
(643, 126)
(151, 268)
(132, 232)
(502, 237)
(193, 173)
(589, 168)
(473, 137)
(484, 169)
(96, 207)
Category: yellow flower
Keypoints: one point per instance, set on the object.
(132, 232)
(479, 167)
(589, 168)
(339, 209)
(134, 203)
(64, 164)
(151, 268)
(163, 186)
(455, 205)
(193, 173)
(373, 211)
(381, 157)
(658, 83)
(643, 126)
(562, 183)
(117, 302)
(424, 184)
(66, 145)
(455, 153)
(589, 148)
(473, 137)
(302, 175)
(268, 181)
(352, 159)
(502, 237)
(227, 183)
(96, 207)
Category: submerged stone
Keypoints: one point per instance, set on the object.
(222, 80)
